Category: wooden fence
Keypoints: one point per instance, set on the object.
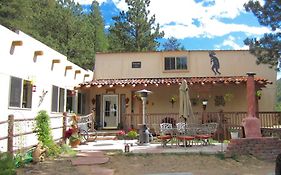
(12, 125)
(11, 133)
(228, 119)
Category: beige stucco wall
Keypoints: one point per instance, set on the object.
(232, 63)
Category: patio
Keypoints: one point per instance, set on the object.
(119, 145)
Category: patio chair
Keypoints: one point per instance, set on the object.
(185, 134)
(181, 128)
(165, 133)
(206, 132)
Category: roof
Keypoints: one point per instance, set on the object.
(166, 51)
(170, 81)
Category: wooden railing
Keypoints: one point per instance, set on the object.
(229, 119)
(14, 129)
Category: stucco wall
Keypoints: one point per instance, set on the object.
(21, 63)
(232, 63)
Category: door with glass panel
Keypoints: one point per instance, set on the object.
(110, 111)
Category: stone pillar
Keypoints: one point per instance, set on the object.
(252, 125)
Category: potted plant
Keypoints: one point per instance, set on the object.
(233, 133)
(132, 134)
(74, 140)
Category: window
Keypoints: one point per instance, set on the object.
(81, 103)
(175, 63)
(58, 99)
(20, 93)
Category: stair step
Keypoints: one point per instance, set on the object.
(107, 132)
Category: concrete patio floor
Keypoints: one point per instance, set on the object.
(119, 145)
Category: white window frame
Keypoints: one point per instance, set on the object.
(22, 104)
(58, 100)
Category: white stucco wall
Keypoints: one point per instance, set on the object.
(22, 64)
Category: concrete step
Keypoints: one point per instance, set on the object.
(107, 132)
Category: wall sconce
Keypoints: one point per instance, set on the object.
(204, 104)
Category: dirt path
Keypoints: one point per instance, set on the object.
(158, 163)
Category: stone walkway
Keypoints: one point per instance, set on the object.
(93, 158)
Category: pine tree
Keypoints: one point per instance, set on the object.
(100, 41)
(172, 44)
(266, 49)
(134, 30)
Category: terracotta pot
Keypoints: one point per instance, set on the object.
(75, 143)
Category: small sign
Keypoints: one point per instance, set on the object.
(136, 64)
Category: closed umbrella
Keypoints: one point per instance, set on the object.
(185, 104)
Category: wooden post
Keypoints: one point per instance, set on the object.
(93, 119)
(10, 142)
(64, 123)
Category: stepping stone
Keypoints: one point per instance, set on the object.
(91, 154)
(101, 171)
(89, 160)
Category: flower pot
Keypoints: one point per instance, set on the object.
(234, 135)
(75, 143)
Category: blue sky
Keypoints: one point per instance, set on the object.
(197, 24)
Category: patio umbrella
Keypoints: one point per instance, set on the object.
(185, 104)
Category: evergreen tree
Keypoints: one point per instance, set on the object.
(172, 44)
(266, 49)
(100, 41)
(134, 30)
(14, 14)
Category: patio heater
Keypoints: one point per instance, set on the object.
(143, 131)
(204, 106)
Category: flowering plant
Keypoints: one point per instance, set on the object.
(121, 134)
(68, 133)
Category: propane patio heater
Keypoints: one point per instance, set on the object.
(143, 132)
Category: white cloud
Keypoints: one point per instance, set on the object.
(182, 14)
(231, 42)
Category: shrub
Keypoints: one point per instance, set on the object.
(132, 134)
(7, 164)
(43, 131)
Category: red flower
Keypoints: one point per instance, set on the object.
(68, 133)
(121, 133)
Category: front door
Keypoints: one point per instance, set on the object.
(110, 111)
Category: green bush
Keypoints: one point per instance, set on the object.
(132, 134)
(7, 164)
(44, 134)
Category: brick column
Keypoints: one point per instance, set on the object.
(251, 123)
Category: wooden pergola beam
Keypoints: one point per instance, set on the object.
(17, 43)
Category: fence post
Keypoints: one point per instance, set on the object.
(10, 142)
(93, 119)
(64, 123)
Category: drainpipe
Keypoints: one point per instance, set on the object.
(252, 124)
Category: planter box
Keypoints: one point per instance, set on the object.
(234, 135)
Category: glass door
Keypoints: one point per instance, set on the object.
(110, 111)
